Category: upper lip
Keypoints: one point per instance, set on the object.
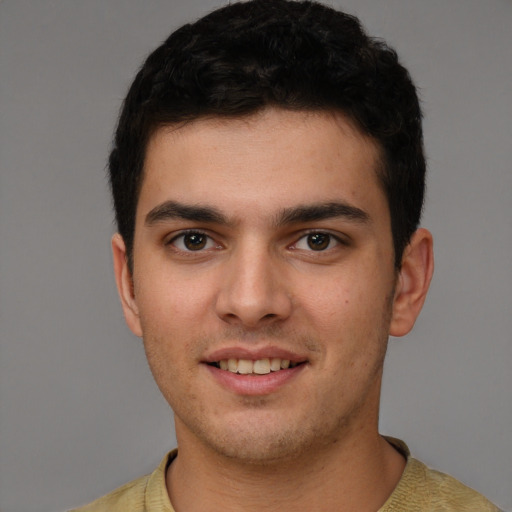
(253, 354)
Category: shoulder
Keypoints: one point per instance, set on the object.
(447, 493)
(130, 497)
(145, 494)
(428, 490)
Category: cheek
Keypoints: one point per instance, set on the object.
(172, 353)
(340, 299)
(349, 314)
(166, 300)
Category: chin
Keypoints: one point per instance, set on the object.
(263, 441)
(261, 451)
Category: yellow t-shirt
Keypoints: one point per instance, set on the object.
(420, 489)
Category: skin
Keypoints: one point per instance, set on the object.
(260, 286)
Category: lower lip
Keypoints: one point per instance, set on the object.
(254, 385)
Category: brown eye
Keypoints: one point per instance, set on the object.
(192, 241)
(318, 241)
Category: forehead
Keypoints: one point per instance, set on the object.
(262, 161)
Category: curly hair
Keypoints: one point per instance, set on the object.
(298, 55)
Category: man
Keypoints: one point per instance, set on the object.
(268, 179)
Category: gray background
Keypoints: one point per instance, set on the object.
(80, 414)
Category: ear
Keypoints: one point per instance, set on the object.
(413, 282)
(124, 283)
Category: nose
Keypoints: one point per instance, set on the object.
(254, 290)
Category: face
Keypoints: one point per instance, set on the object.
(263, 281)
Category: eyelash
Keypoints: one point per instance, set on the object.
(331, 238)
(209, 242)
(191, 232)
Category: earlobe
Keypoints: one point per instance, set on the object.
(413, 282)
(124, 283)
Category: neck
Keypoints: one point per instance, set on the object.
(356, 473)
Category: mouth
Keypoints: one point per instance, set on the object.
(257, 367)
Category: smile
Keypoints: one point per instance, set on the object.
(258, 367)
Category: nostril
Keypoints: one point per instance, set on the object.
(252, 303)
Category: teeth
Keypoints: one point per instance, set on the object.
(259, 367)
(245, 366)
(275, 364)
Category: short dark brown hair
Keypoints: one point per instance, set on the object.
(294, 55)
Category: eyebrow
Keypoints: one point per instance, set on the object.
(314, 212)
(173, 210)
(170, 210)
